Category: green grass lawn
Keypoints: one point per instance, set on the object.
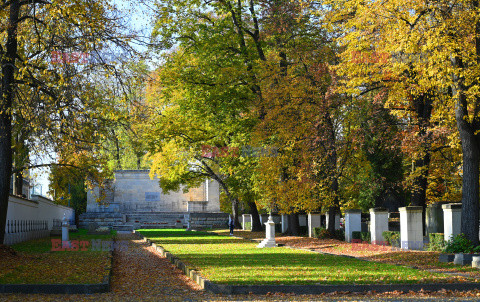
(229, 260)
(36, 263)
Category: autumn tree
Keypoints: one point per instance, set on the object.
(47, 94)
(426, 56)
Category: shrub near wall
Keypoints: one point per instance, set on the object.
(392, 238)
(437, 242)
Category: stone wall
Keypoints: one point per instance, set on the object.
(134, 191)
(208, 220)
(99, 219)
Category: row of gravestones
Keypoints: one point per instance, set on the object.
(411, 225)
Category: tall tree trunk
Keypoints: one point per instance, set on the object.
(332, 172)
(420, 183)
(470, 186)
(6, 101)
(293, 228)
(423, 109)
(235, 213)
(471, 158)
(256, 224)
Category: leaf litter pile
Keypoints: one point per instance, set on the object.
(423, 260)
(141, 274)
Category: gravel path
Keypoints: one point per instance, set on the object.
(140, 274)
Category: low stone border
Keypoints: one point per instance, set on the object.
(311, 289)
(102, 287)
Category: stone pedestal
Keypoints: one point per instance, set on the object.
(337, 221)
(65, 235)
(353, 223)
(411, 228)
(452, 220)
(378, 225)
(269, 240)
(246, 218)
(314, 221)
(284, 223)
(476, 261)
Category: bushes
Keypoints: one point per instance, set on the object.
(322, 233)
(356, 235)
(360, 236)
(460, 244)
(392, 238)
(365, 236)
(437, 242)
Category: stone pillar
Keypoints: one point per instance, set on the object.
(337, 221)
(378, 225)
(284, 223)
(411, 228)
(65, 235)
(246, 218)
(434, 218)
(353, 223)
(269, 240)
(314, 221)
(452, 220)
(302, 219)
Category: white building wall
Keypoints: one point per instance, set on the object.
(134, 191)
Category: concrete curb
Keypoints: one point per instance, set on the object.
(102, 287)
(312, 289)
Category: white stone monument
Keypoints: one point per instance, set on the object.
(245, 219)
(269, 240)
(452, 220)
(411, 228)
(314, 221)
(378, 225)
(353, 223)
(65, 235)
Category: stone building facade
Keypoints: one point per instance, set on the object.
(134, 191)
(133, 200)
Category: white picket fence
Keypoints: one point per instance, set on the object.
(22, 230)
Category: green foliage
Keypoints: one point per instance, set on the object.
(340, 234)
(357, 235)
(248, 225)
(437, 242)
(459, 244)
(365, 236)
(392, 238)
(321, 233)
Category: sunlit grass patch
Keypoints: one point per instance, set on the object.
(231, 260)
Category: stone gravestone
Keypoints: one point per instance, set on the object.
(411, 228)
(284, 223)
(353, 223)
(314, 221)
(452, 220)
(246, 218)
(434, 218)
(92, 226)
(378, 225)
